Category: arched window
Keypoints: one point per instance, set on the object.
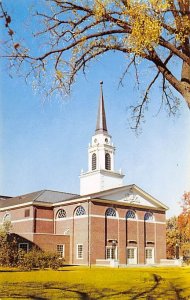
(93, 161)
(61, 214)
(107, 161)
(148, 216)
(110, 212)
(80, 211)
(130, 214)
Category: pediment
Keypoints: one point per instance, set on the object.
(132, 195)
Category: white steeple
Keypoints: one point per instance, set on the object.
(101, 174)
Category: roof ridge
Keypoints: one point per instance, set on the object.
(40, 193)
(47, 190)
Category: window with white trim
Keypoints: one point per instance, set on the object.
(107, 161)
(131, 253)
(110, 212)
(79, 251)
(148, 216)
(23, 246)
(61, 214)
(130, 214)
(111, 252)
(149, 253)
(61, 250)
(80, 211)
(93, 161)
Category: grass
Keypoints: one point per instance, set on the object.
(97, 283)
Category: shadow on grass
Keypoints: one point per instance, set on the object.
(17, 270)
(160, 289)
(10, 271)
(157, 280)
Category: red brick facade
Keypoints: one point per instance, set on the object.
(92, 230)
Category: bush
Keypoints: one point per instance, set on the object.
(8, 253)
(37, 259)
(11, 256)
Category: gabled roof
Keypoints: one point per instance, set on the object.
(133, 189)
(115, 195)
(44, 196)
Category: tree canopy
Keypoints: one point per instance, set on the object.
(76, 32)
(178, 229)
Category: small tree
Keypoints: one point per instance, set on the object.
(8, 246)
(184, 223)
(172, 237)
(178, 230)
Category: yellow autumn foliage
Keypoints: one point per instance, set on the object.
(145, 30)
(59, 74)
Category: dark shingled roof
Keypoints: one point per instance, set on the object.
(44, 196)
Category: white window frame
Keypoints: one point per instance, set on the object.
(61, 252)
(111, 212)
(81, 251)
(107, 161)
(27, 246)
(113, 250)
(94, 161)
(80, 211)
(130, 215)
(132, 260)
(149, 260)
(149, 217)
(61, 214)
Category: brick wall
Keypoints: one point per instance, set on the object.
(49, 242)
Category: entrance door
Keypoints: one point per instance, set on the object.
(132, 256)
(149, 254)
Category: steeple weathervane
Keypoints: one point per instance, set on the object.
(101, 118)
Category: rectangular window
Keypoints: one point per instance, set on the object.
(23, 246)
(131, 253)
(111, 252)
(80, 251)
(61, 250)
(27, 213)
(149, 253)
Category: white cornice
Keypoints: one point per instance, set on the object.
(16, 206)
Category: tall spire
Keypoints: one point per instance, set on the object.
(101, 118)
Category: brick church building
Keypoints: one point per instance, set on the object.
(107, 223)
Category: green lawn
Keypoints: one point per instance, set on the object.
(97, 283)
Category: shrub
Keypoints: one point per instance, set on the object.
(11, 256)
(8, 246)
(37, 259)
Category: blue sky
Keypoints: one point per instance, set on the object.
(44, 144)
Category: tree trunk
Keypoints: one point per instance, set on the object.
(185, 91)
(185, 81)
